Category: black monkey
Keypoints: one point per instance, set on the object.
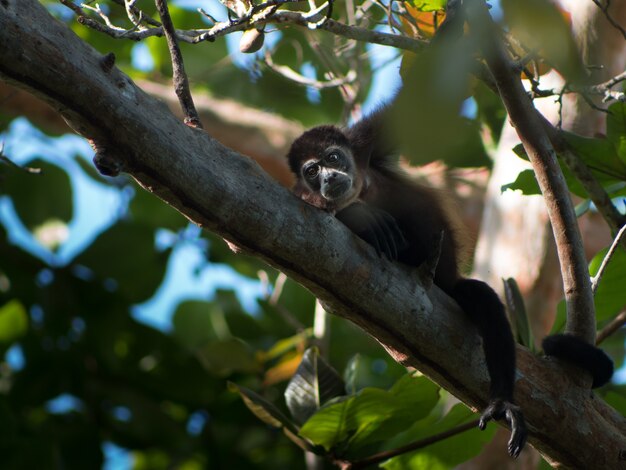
(354, 174)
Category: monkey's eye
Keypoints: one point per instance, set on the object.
(332, 157)
(311, 171)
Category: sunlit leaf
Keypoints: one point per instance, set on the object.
(284, 370)
(13, 321)
(525, 182)
(263, 409)
(541, 27)
(449, 452)
(371, 415)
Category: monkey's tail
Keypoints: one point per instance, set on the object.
(571, 349)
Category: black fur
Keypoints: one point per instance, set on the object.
(572, 349)
(404, 220)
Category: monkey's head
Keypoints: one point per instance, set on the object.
(325, 169)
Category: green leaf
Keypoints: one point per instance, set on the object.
(610, 297)
(13, 321)
(447, 453)
(126, 254)
(334, 425)
(225, 357)
(617, 400)
(314, 383)
(517, 313)
(263, 409)
(616, 128)
(525, 182)
(540, 26)
(372, 415)
(600, 155)
(430, 5)
(38, 197)
(192, 323)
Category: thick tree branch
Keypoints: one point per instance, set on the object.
(229, 195)
(527, 121)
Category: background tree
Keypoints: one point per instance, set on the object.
(83, 372)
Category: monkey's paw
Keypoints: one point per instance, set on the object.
(499, 409)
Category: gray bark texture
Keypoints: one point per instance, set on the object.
(230, 195)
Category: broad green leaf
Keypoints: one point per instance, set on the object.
(447, 453)
(600, 155)
(541, 27)
(347, 417)
(38, 197)
(371, 415)
(227, 356)
(437, 79)
(13, 321)
(314, 383)
(525, 182)
(415, 398)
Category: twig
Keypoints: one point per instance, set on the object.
(605, 262)
(181, 82)
(525, 119)
(294, 76)
(605, 10)
(385, 455)
(612, 327)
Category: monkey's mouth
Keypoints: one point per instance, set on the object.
(336, 190)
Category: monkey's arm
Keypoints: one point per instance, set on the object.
(376, 226)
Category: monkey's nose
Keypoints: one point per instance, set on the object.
(330, 178)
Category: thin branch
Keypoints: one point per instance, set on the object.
(598, 195)
(220, 29)
(525, 119)
(294, 76)
(181, 82)
(605, 10)
(605, 262)
(612, 327)
(386, 455)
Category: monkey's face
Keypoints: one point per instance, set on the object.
(332, 174)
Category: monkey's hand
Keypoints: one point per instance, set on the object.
(376, 226)
(498, 409)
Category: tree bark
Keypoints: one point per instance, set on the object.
(230, 195)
